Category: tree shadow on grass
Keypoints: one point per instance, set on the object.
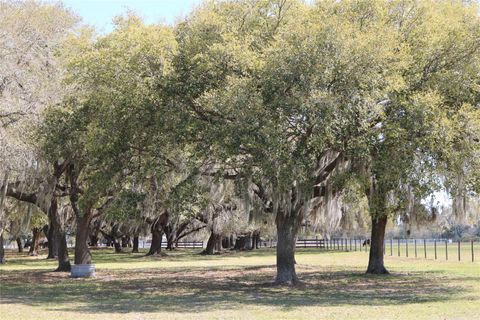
(157, 290)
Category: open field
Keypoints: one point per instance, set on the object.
(185, 285)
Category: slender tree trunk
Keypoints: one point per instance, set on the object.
(52, 239)
(156, 246)
(19, 245)
(63, 259)
(93, 240)
(135, 244)
(248, 241)
(125, 241)
(34, 246)
(287, 229)
(375, 261)
(59, 239)
(82, 252)
(2, 251)
(170, 242)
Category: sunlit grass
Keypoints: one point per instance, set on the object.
(186, 285)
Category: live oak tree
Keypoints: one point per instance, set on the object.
(276, 89)
(428, 125)
(98, 128)
(31, 75)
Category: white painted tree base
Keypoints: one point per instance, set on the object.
(83, 271)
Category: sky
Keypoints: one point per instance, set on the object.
(99, 13)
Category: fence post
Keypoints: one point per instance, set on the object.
(398, 242)
(406, 248)
(458, 250)
(425, 247)
(350, 244)
(435, 248)
(391, 247)
(473, 257)
(316, 241)
(446, 249)
(415, 242)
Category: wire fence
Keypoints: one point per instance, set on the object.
(435, 249)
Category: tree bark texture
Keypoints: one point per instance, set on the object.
(35, 238)
(135, 244)
(2, 251)
(19, 245)
(375, 260)
(63, 259)
(212, 243)
(287, 229)
(82, 252)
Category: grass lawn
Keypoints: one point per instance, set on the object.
(185, 285)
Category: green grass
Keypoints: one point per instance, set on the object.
(185, 285)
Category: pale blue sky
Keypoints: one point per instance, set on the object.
(99, 13)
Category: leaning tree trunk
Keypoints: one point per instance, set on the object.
(34, 246)
(135, 244)
(375, 261)
(170, 242)
(82, 252)
(19, 245)
(2, 251)
(118, 246)
(156, 246)
(63, 259)
(287, 229)
(211, 244)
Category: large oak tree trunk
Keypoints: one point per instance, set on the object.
(34, 246)
(211, 243)
(375, 261)
(287, 229)
(53, 234)
(82, 252)
(52, 239)
(63, 259)
(157, 234)
(118, 247)
(135, 244)
(59, 239)
(19, 245)
(2, 251)
(156, 246)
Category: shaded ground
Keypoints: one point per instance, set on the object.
(185, 285)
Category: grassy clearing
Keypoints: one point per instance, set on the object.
(185, 285)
